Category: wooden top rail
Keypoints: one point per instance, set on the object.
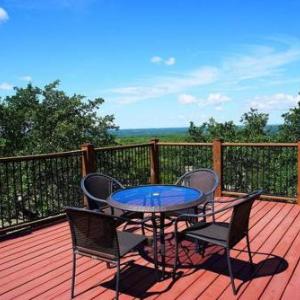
(39, 156)
(263, 196)
(261, 144)
(122, 147)
(183, 144)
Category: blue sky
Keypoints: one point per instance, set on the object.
(157, 63)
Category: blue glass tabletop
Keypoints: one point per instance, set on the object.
(156, 198)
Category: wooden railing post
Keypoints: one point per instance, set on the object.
(88, 163)
(298, 174)
(154, 161)
(217, 164)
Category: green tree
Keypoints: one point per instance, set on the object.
(41, 120)
(197, 134)
(211, 130)
(254, 126)
(290, 130)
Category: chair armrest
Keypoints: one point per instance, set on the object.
(87, 194)
(183, 217)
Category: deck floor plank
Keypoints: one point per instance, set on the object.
(258, 221)
(38, 265)
(186, 281)
(288, 249)
(263, 254)
(264, 241)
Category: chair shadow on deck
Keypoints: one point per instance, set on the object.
(136, 280)
(215, 261)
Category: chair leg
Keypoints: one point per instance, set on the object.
(213, 212)
(230, 271)
(176, 258)
(249, 251)
(143, 228)
(202, 247)
(73, 275)
(155, 249)
(143, 225)
(118, 280)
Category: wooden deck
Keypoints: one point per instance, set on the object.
(38, 265)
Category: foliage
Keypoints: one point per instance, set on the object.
(254, 128)
(36, 120)
(290, 130)
(255, 123)
(211, 130)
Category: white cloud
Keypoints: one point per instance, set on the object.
(156, 59)
(6, 86)
(215, 100)
(170, 61)
(3, 15)
(163, 86)
(186, 99)
(219, 108)
(159, 60)
(26, 78)
(254, 66)
(260, 62)
(274, 102)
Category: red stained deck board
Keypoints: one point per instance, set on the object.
(258, 221)
(19, 250)
(293, 287)
(163, 286)
(180, 285)
(50, 230)
(38, 265)
(262, 243)
(289, 250)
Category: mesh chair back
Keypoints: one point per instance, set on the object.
(93, 233)
(100, 187)
(205, 180)
(239, 224)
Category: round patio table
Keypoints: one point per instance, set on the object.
(157, 199)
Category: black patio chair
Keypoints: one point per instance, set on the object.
(97, 188)
(205, 180)
(94, 234)
(223, 234)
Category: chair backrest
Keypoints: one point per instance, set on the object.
(98, 186)
(93, 233)
(205, 180)
(239, 223)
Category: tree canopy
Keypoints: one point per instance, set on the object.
(254, 128)
(290, 130)
(41, 120)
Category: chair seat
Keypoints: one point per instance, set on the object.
(215, 233)
(128, 241)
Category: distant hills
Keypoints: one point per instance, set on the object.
(167, 131)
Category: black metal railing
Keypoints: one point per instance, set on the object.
(129, 164)
(176, 159)
(249, 167)
(36, 187)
